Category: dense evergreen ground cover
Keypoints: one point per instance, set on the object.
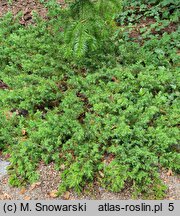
(95, 89)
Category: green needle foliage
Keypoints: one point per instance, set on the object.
(88, 26)
(77, 91)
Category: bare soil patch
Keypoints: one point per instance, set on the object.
(47, 186)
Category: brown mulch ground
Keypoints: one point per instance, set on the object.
(27, 7)
(46, 187)
(24, 6)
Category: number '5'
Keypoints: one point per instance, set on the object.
(171, 207)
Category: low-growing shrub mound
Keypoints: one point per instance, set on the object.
(112, 119)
